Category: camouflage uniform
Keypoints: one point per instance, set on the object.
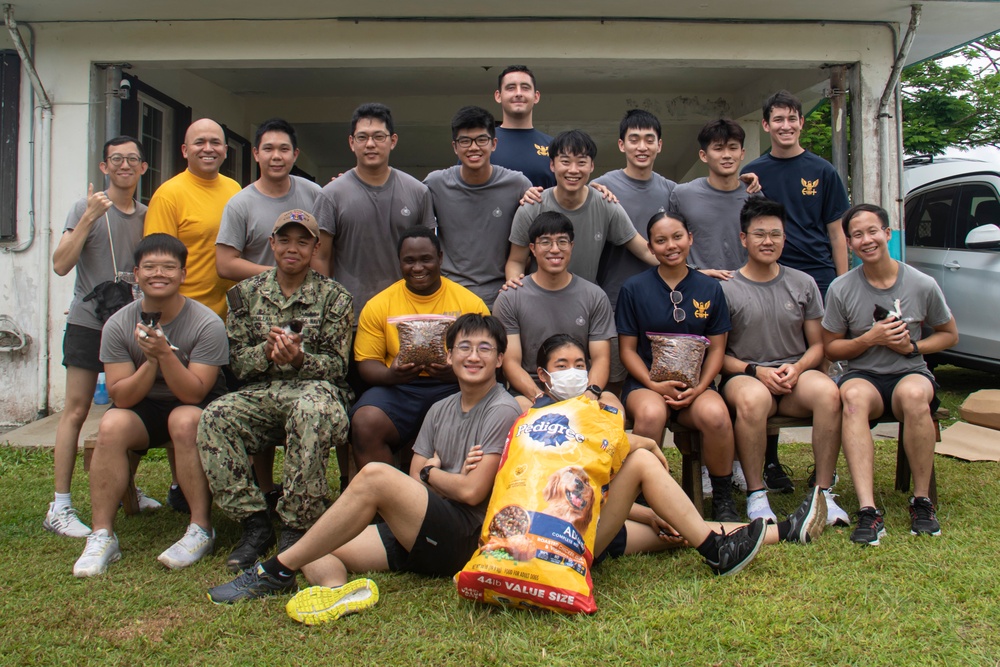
(305, 407)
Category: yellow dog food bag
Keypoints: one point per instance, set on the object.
(536, 547)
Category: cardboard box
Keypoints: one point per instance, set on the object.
(982, 408)
(969, 442)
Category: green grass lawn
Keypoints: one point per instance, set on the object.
(909, 601)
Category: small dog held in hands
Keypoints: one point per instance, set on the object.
(151, 320)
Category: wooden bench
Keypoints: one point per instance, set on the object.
(130, 502)
(688, 443)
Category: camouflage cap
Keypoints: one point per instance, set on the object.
(298, 217)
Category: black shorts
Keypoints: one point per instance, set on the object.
(447, 539)
(631, 384)
(155, 414)
(616, 549)
(885, 385)
(726, 378)
(82, 348)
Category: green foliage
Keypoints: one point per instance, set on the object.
(952, 100)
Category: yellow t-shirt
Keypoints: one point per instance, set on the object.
(190, 208)
(377, 339)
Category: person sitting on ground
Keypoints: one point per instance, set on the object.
(553, 300)
(773, 354)
(432, 517)
(874, 319)
(388, 415)
(670, 520)
(672, 299)
(162, 357)
(289, 328)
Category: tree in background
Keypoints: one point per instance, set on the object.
(950, 100)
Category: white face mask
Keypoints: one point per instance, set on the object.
(568, 383)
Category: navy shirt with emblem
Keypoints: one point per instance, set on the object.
(526, 151)
(644, 307)
(813, 196)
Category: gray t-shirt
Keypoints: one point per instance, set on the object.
(250, 215)
(197, 332)
(850, 309)
(768, 317)
(366, 223)
(713, 217)
(641, 201)
(95, 265)
(474, 224)
(596, 222)
(451, 433)
(580, 309)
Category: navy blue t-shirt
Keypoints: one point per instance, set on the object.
(644, 307)
(526, 151)
(813, 195)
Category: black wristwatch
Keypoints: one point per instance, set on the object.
(915, 352)
(425, 474)
(595, 390)
(750, 370)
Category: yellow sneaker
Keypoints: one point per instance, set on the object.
(320, 604)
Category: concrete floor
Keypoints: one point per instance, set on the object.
(42, 433)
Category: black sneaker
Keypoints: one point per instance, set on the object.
(923, 519)
(288, 538)
(724, 509)
(811, 482)
(777, 478)
(870, 528)
(738, 548)
(253, 583)
(258, 537)
(176, 500)
(809, 520)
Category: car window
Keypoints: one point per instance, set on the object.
(930, 221)
(911, 218)
(978, 205)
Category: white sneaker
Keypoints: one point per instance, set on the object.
(64, 522)
(145, 502)
(739, 481)
(101, 550)
(835, 516)
(706, 483)
(188, 550)
(759, 508)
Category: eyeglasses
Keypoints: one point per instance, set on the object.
(482, 140)
(378, 138)
(484, 349)
(676, 298)
(761, 234)
(545, 244)
(117, 159)
(165, 269)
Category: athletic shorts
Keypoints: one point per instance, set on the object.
(631, 384)
(82, 348)
(447, 539)
(726, 378)
(885, 385)
(155, 414)
(406, 404)
(616, 548)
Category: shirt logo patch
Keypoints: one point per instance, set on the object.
(580, 321)
(497, 212)
(542, 150)
(809, 187)
(701, 309)
(405, 211)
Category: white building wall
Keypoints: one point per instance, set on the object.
(65, 53)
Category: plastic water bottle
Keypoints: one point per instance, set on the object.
(101, 392)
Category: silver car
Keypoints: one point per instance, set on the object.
(952, 232)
